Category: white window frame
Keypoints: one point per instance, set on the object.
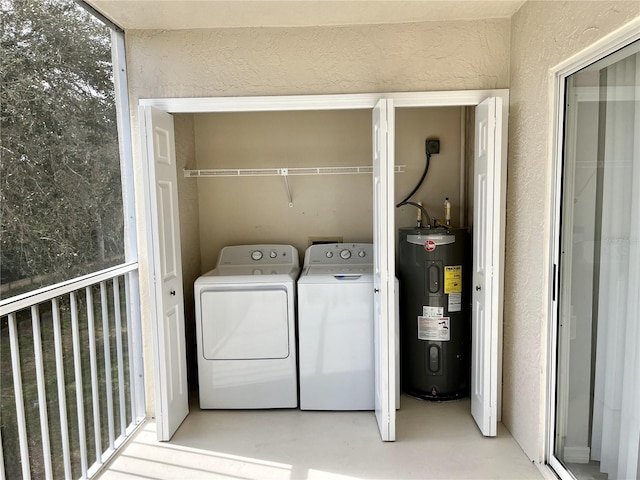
(123, 121)
(617, 40)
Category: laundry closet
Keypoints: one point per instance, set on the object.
(234, 188)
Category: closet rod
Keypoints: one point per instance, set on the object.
(270, 172)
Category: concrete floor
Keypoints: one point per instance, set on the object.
(434, 441)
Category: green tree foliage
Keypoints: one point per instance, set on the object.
(60, 183)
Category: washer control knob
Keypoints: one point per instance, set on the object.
(362, 254)
(256, 255)
(329, 254)
(345, 254)
(273, 254)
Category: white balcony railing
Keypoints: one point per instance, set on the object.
(71, 375)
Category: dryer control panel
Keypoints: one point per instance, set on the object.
(263, 254)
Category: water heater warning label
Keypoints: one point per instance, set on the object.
(455, 302)
(428, 311)
(434, 329)
(453, 279)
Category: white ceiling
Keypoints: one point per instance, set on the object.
(188, 14)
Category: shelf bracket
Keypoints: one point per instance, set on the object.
(285, 174)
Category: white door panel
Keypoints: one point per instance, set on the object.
(487, 249)
(175, 349)
(167, 231)
(384, 269)
(172, 404)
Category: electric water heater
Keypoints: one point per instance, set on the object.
(435, 326)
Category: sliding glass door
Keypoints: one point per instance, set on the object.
(597, 401)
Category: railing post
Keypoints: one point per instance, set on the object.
(93, 360)
(42, 395)
(135, 345)
(104, 303)
(121, 390)
(17, 390)
(77, 367)
(62, 394)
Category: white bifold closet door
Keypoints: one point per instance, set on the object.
(384, 269)
(487, 264)
(172, 396)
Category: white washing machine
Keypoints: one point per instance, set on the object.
(245, 327)
(335, 328)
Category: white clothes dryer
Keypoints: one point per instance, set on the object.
(245, 327)
(335, 328)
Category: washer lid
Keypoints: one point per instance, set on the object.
(340, 270)
(333, 274)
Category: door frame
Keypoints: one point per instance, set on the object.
(364, 101)
(626, 35)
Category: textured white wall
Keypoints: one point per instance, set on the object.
(280, 61)
(425, 56)
(413, 127)
(543, 34)
(255, 209)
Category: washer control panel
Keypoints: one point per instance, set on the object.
(339, 254)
